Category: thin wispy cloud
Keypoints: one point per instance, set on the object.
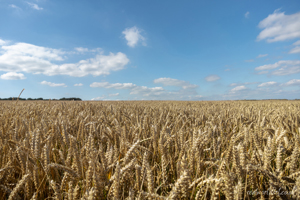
(53, 84)
(262, 55)
(247, 14)
(212, 78)
(34, 6)
(114, 95)
(174, 82)
(271, 83)
(2, 42)
(245, 83)
(279, 27)
(251, 60)
(286, 67)
(15, 7)
(148, 92)
(293, 82)
(133, 36)
(296, 49)
(82, 50)
(78, 84)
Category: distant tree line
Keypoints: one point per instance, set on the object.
(41, 99)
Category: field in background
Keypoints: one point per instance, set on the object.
(150, 150)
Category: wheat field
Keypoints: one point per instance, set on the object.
(150, 150)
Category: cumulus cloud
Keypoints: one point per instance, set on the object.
(279, 27)
(78, 84)
(212, 78)
(24, 57)
(266, 84)
(12, 76)
(292, 82)
(34, 6)
(133, 36)
(287, 67)
(53, 84)
(175, 82)
(247, 14)
(262, 55)
(238, 88)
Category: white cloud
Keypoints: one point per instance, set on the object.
(150, 93)
(262, 55)
(140, 90)
(198, 96)
(247, 14)
(78, 84)
(2, 42)
(175, 82)
(246, 83)
(287, 71)
(24, 57)
(119, 86)
(133, 36)
(81, 49)
(279, 27)
(251, 60)
(146, 91)
(292, 82)
(266, 84)
(296, 43)
(297, 48)
(98, 98)
(263, 72)
(12, 76)
(15, 7)
(238, 88)
(286, 67)
(53, 84)
(212, 78)
(114, 95)
(278, 64)
(34, 6)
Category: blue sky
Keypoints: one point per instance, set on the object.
(150, 50)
